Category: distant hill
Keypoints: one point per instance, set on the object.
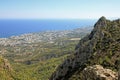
(101, 47)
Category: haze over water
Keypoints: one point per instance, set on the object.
(17, 27)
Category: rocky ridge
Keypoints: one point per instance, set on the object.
(101, 47)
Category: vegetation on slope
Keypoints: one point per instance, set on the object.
(37, 61)
(38, 71)
(6, 72)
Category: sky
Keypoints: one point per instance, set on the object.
(59, 9)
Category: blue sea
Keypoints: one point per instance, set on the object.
(17, 27)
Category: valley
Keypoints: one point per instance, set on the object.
(35, 56)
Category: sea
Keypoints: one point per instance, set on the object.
(14, 27)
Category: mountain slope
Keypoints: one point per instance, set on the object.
(101, 47)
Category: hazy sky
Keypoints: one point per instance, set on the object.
(42, 9)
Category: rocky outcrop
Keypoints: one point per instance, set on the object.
(5, 70)
(97, 72)
(101, 47)
(4, 64)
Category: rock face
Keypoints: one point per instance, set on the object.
(101, 47)
(97, 72)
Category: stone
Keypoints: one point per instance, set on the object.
(97, 72)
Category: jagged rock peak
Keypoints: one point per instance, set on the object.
(102, 18)
(102, 22)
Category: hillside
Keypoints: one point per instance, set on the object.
(100, 47)
(5, 70)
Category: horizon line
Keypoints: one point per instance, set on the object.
(91, 18)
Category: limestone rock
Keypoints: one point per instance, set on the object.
(97, 72)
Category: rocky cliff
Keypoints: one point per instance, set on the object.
(100, 47)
